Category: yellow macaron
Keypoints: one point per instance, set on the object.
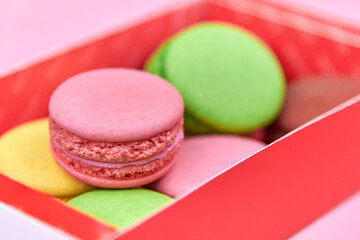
(25, 157)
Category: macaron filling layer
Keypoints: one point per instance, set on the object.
(113, 152)
(117, 171)
(115, 164)
(160, 155)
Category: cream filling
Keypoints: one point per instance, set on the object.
(179, 137)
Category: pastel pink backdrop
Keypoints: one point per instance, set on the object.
(340, 223)
(32, 28)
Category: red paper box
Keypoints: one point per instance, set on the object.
(270, 195)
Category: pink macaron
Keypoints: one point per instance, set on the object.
(202, 158)
(116, 128)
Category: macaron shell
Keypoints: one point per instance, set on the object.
(116, 105)
(25, 157)
(203, 157)
(311, 96)
(231, 82)
(155, 63)
(194, 127)
(120, 208)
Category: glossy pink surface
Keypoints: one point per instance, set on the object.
(116, 105)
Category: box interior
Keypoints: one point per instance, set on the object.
(270, 195)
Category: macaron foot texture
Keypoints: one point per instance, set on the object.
(201, 158)
(120, 208)
(25, 157)
(112, 152)
(230, 80)
(115, 175)
(116, 128)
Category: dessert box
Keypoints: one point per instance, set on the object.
(270, 195)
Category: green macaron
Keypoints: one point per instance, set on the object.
(122, 207)
(230, 80)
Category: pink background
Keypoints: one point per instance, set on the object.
(33, 28)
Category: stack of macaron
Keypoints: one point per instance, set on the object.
(116, 128)
(113, 134)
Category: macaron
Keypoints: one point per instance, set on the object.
(310, 96)
(25, 157)
(201, 158)
(120, 207)
(230, 80)
(116, 128)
